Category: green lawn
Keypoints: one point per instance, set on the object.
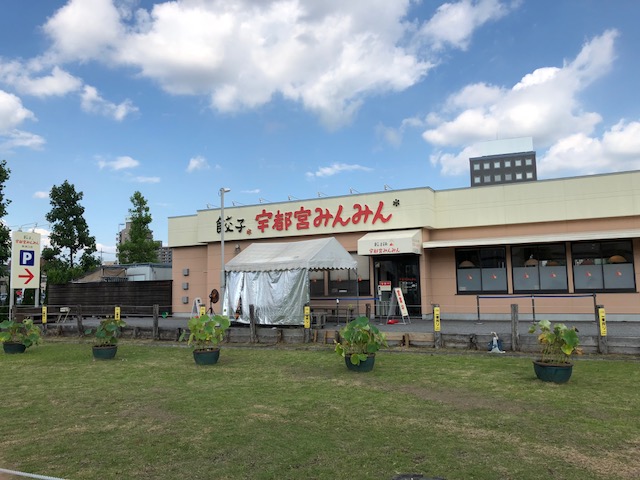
(269, 413)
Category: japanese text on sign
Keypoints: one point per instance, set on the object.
(305, 218)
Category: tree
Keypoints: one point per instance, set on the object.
(5, 232)
(140, 246)
(71, 252)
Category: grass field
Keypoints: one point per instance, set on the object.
(269, 413)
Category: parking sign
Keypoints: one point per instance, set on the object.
(25, 260)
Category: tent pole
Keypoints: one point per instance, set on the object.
(357, 295)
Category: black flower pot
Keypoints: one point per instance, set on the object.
(206, 357)
(553, 372)
(363, 366)
(104, 352)
(13, 347)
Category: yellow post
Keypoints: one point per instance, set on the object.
(116, 313)
(44, 314)
(307, 316)
(436, 319)
(602, 317)
(203, 310)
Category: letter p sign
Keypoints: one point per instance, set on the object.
(27, 257)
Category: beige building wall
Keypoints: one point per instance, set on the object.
(595, 208)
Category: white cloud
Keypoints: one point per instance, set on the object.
(197, 163)
(120, 163)
(617, 150)
(329, 56)
(41, 194)
(84, 30)
(92, 102)
(335, 169)
(146, 179)
(544, 104)
(12, 113)
(26, 79)
(454, 23)
(19, 138)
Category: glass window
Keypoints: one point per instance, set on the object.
(518, 176)
(350, 282)
(529, 175)
(481, 270)
(316, 283)
(508, 177)
(603, 266)
(539, 268)
(496, 164)
(476, 179)
(507, 163)
(486, 165)
(476, 166)
(487, 178)
(497, 178)
(518, 163)
(528, 162)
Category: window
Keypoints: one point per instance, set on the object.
(496, 164)
(476, 166)
(518, 176)
(507, 164)
(486, 165)
(348, 282)
(528, 162)
(603, 266)
(487, 178)
(316, 283)
(477, 179)
(497, 178)
(481, 270)
(518, 163)
(539, 268)
(508, 177)
(529, 175)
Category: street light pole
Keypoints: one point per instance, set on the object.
(223, 282)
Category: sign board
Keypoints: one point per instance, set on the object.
(307, 316)
(602, 318)
(401, 304)
(384, 285)
(436, 319)
(25, 260)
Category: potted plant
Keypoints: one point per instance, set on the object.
(205, 333)
(16, 337)
(558, 343)
(359, 342)
(106, 338)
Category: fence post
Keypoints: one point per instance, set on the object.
(515, 337)
(601, 321)
(156, 312)
(436, 326)
(252, 324)
(79, 320)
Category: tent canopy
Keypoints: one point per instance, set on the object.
(321, 254)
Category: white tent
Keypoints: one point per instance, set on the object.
(274, 278)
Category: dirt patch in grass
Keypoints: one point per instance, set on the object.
(462, 400)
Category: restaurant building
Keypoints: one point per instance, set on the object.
(553, 247)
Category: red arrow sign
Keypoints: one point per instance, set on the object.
(28, 276)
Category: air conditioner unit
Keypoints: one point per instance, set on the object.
(185, 285)
(185, 300)
(185, 272)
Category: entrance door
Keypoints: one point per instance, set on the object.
(400, 271)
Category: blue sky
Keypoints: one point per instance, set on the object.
(295, 97)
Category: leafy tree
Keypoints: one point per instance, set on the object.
(140, 246)
(5, 233)
(71, 252)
